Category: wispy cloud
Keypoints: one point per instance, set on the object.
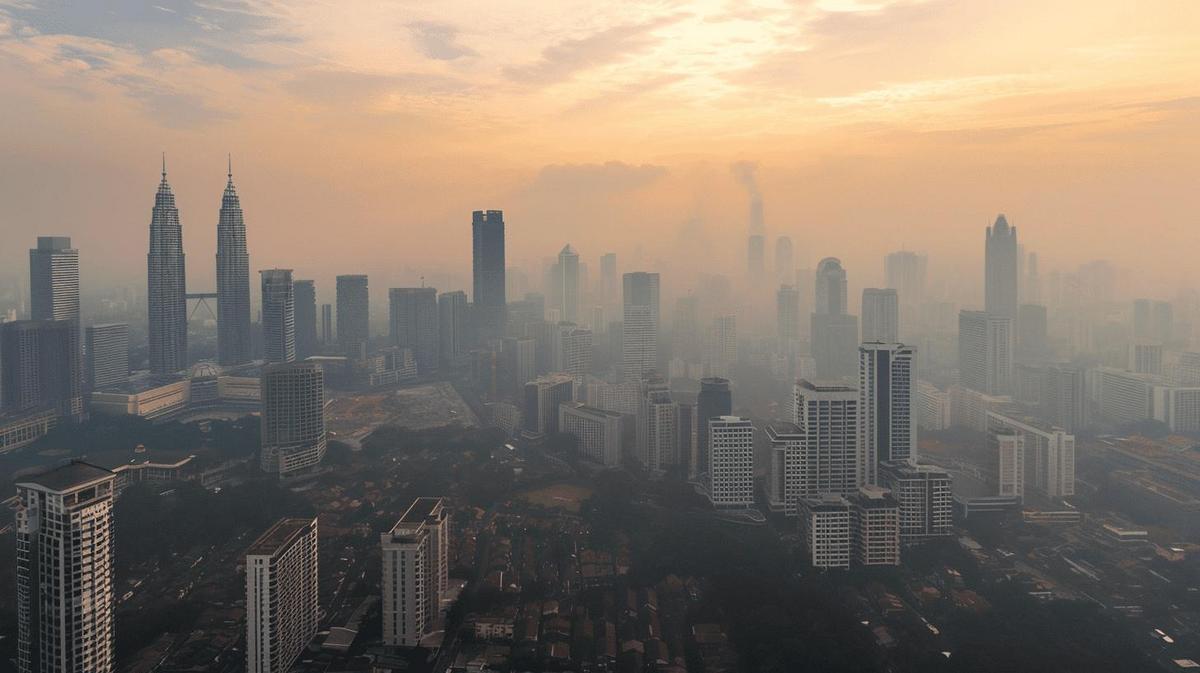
(562, 60)
(438, 40)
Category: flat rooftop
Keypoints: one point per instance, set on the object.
(279, 536)
(420, 510)
(67, 477)
(141, 384)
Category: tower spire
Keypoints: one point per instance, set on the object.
(230, 173)
(164, 165)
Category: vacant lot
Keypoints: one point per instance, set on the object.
(350, 418)
(562, 496)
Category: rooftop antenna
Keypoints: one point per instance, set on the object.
(164, 162)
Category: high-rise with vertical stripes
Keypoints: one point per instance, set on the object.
(166, 285)
(234, 342)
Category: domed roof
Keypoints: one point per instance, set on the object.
(205, 370)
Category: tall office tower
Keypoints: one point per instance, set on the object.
(278, 315)
(1031, 289)
(413, 317)
(1142, 319)
(825, 529)
(40, 368)
(305, 293)
(327, 324)
(756, 253)
(905, 273)
(518, 363)
(353, 315)
(65, 570)
(784, 467)
(234, 341)
(827, 416)
(1033, 344)
(722, 346)
(548, 336)
(54, 280)
(608, 279)
(576, 352)
(715, 399)
(731, 462)
(880, 316)
(107, 355)
(453, 319)
(657, 427)
(1009, 448)
(787, 312)
(567, 283)
(785, 263)
(542, 397)
(1000, 270)
(293, 417)
(282, 606)
(685, 329)
(875, 527)
(166, 287)
(985, 346)
(1163, 322)
(1063, 400)
(415, 560)
(597, 431)
(835, 335)
(926, 502)
(887, 388)
(487, 266)
(639, 336)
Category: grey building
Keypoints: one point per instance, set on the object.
(639, 339)
(54, 279)
(880, 315)
(566, 278)
(107, 355)
(413, 321)
(985, 352)
(834, 339)
(353, 315)
(327, 324)
(453, 328)
(1001, 269)
(715, 399)
(40, 368)
(166, 285)
(787, 312)
(234, 340)
(305, 293)
(293, 417)
(887, 387)
(278, 315)
(487, 268)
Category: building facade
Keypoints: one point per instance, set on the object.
(293, 417)
(278, 316)
(487, 269)
(597, 431)
(166, 287)
(639, 340)
(282, 607)
(107, 355)
(887, 390)
(731, 462)
(234, 342)
(413, 321)
(353, 314)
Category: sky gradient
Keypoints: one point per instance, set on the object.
(362, 137)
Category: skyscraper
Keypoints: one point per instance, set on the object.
(730, 462)
(567, 280)
(597, 431)
(278, 315)
(1032, 338)
(721, 345)
(715, 399)
(1000, 270)
(281, 595)
(327, 324)
(887, 394)
(608, 279)
(985, 350)
(657, 427)
(305, 293)
(65, 570)
(353, 315)
(542, 397)
(827, 418)
(880, 316)
(40, 368)
(487, 266)
(54, 280)
(576, 351)
(905, 273)
(831, 287)
(234, 341)
(787, 312)
(107, 355)
(293, 417)
(785, 265)
(639, 341)
(413, 320)
(166, 287)
(452, 328)
(415, 558)
(834, 332)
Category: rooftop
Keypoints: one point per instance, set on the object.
(74, 474)
(280, 536)
(421, 509)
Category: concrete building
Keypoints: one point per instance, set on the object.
(576, 350)
(415, 566)
(875, 527)
(657, 427)
(1032, 340)
(985, 352)
(1178, 407)
(623, 398)
(887, 391)
(454, 330)
(1051, 450)
(282, 607)
(293, 417)
(235, 344)
(730, 462)
(721, 346)
(924, 496)
(639, 340)
(278, 315)
(787, 466)
(835, 337)
(353, 314)
(566, 278)
(518, 363)
(787, 313)
(1146, 358)
(166, 295)
(1009, 448)
(933, 407)
(542, 397)
(107, 348)
(905, 272)
(64, 568)
(487, 269)
(597, 431)
(715, 399)
(40, 368)
(54, 280)
(1122, 397)
(825, 528)
(305, 295)
(1000, 271)
(969, 408)
(828, 417)
(413, 321)
(147, 396)
(880, 315)
(327, 324)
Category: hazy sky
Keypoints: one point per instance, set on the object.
(363, 134)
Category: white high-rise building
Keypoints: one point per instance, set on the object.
(278, 315)
(827, 416)
(933, 407)
(985, 352)
(281, 595)
(887, 390)
(576, 351)
(826, 529)
(926, 502)
(567, 280)
(415, 560)
(64, 527)
(731, 462)
(785, 467)
(880, 315)
(293, 417)
(1009, 447)
(54, 280)
(639, 338)
(875, 527)
(721, 346)
(658, 427)
(597, 431)
(1051, 449)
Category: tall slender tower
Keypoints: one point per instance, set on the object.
(1000, 270)
(487, 266)
(567, 279)
(278, 315)
(166, 295)
(639, 339)
(233, 281)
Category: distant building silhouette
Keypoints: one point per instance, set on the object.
(487, 266)
(166, 292)
(1000, 270)
(305, 293)
(234, 341)
(278, 315)
(353, 314)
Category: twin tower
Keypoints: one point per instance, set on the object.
(166, 285)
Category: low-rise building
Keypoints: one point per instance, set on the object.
(825, 527)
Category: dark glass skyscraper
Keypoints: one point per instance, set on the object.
(166, 286)
(487, 266)
(714, 400)
(234, 344)
(353, 314)
(305, 292)
(413, 320)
